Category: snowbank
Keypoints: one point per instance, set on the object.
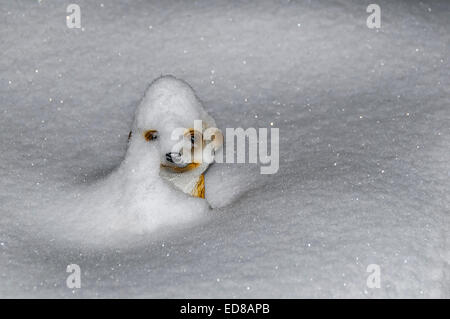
(364, 139)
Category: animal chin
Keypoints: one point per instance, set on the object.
(177, 169)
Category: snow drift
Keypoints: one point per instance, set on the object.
(364, 139)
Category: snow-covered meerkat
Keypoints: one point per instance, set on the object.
(172, 117)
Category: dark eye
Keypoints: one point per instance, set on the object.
(151, 135)
(192, 139)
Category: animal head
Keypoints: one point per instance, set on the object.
(171, 116)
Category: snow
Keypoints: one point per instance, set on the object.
(364, 168)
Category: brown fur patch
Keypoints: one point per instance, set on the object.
(187, 168)
(199, 190)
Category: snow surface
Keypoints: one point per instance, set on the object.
(364, 148)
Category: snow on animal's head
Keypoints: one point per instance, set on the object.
(166, 113)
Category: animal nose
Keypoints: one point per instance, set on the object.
(172, 155)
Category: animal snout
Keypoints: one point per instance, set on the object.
(173, 157)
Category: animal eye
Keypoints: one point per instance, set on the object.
(151, 135)
(192, 139)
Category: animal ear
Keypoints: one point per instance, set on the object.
(214, 135)
(150, 135)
